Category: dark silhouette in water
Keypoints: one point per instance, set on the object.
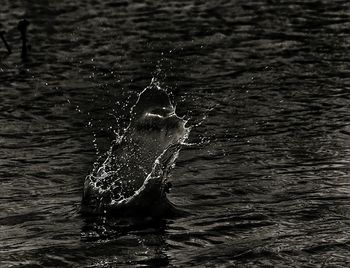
(22, 27)
(132, 180)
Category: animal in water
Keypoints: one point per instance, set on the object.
(132, 180)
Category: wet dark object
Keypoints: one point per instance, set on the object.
(22, 27)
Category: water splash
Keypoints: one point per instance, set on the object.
(132, 177)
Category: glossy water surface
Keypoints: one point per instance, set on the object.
(267, 183)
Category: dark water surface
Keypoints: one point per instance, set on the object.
(267, 183)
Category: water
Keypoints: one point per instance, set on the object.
(267, 183)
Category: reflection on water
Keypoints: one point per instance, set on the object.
(269, 182)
